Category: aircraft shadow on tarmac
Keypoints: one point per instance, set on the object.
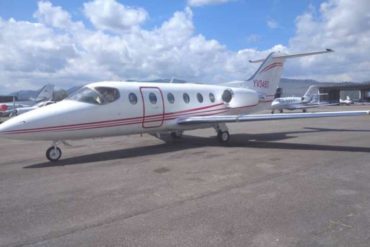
(265, 141)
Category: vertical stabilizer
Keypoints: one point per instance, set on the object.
(267, 77)
(46, 93)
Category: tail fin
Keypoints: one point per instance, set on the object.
(312, 90)
(46, 93)
(266, 79)
(312, 94)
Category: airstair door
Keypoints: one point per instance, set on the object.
(153, 107)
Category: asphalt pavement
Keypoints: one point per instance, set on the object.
(277, 183)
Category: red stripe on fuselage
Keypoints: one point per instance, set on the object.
(107, 125)
(119, 120)
(129, 121)
(110, 123)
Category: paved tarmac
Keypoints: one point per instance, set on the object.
(278, 183)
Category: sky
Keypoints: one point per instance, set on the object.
(71, 43)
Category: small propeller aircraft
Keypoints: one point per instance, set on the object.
(309, 100)
(112, 108)
(24, 109)
(45, 94)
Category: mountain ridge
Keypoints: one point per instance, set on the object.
(290, 86)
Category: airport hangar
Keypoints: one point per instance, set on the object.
(5, 99)
(332, 92)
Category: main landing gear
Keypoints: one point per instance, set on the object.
(281, 111)
(54, 153)
(223, 134)
(176, 134)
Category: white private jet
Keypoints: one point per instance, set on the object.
(112, 108)
(347, 101)
(14, 108)
(309, 100)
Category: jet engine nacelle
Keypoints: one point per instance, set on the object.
(242, 97)
(306, 98)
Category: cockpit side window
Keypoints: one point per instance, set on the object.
(97, 96)
(109, 94)
(87, 95)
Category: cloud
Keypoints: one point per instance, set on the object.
(57, 49)
(253, 38)
(198, 3)
(342, 26)
(271, 23)
(113, 16)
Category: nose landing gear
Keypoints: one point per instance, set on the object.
(53, 153)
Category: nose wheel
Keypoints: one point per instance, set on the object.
(53, 153)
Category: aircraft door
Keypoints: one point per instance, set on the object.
(153, 107)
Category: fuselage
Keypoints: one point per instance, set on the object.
(290, 103)
(132, 107)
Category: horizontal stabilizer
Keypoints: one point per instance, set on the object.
(294, 55)
(265, 117)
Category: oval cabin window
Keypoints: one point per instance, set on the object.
(132, 98)
(153, 98)
(170, 98)
(200, 97)
(211, 97)
(186, 98)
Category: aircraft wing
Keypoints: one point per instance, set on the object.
(306, 106)
(264, 117)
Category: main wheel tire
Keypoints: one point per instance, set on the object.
(304, 110)
(281, 111)
(176, 134)
(53, 154)
(223, 136)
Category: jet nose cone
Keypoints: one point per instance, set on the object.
(9, 127)
(3, 129)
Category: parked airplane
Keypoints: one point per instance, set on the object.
(21, 110)
(309, 100)
(13, 108)
(112, 108)
(347, 101)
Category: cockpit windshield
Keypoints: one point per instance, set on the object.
(97, 95)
